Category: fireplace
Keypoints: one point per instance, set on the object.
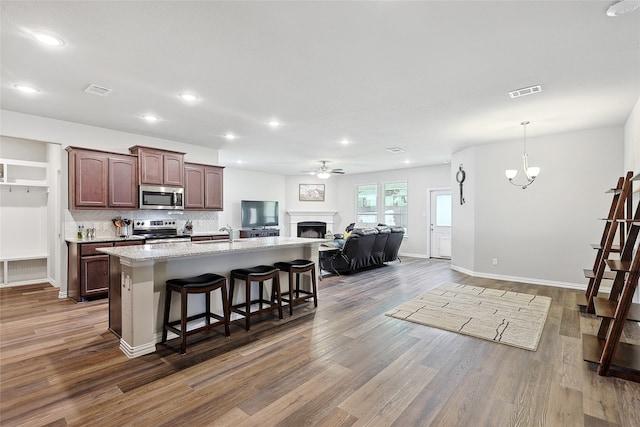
(312, 229)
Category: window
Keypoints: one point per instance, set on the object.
(367, 203)
(443, 210)
(395, 204)
(394, 207)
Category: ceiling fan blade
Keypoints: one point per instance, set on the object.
(338, 171)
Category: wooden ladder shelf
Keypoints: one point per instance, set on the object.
(616, 358)
(621, 205)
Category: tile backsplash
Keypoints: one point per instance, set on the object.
(203, 221)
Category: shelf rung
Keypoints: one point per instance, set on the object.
(617, 265)
(590, 274)
(607, 308)
(627, 355)
(614, 248)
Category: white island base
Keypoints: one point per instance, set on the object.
(139, 273)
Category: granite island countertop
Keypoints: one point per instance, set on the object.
(166, 251)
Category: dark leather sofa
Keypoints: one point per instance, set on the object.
(365, 248)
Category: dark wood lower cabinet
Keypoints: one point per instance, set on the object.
(94, 275)
(88, 270)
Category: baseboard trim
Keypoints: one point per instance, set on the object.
(413, 255)
(140, 350)
(529, 280)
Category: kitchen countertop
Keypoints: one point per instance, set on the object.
(166, 251)
(104, 239)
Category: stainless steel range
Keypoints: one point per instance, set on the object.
(159, 231)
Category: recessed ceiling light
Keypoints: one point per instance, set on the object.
(239, 162)
(230, 136)
(150, 117)
(407, 161)
(48, 39)
(188, 96)
(274, 123)
(26, 88)
(345, 141)
(622, 7)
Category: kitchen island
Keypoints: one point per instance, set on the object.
(138, 275)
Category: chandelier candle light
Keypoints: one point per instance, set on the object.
(531, 172)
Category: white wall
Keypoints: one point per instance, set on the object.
(632, 143)
(463, 216)
(541, 234)
(240, 184)
(419, 181)
(632, 159)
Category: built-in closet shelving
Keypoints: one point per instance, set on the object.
(24, 255)
(620, 262)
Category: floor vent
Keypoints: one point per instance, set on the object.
(525, 91)
(98, 90)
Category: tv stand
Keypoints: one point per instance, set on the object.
(264, 232)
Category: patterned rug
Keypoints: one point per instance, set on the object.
(502, 316)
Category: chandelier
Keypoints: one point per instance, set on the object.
(530, 172)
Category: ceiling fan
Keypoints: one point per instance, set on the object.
(324, 172)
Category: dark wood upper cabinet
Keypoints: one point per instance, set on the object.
(88, 174)
(159, 167)
(193, 186)
(203, 186)
(213, 184)
(123, 171)
(99, 180)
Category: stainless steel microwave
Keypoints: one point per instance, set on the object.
(156, 197)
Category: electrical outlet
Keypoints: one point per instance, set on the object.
(495, 261)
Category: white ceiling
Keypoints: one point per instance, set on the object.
(429, 77)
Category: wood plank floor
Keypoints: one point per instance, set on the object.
(342, 364)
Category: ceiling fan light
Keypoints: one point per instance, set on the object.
(323, 175)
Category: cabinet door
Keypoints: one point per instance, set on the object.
(89, 181)
(94, 275)
(123, 174)
(173, 165)
(194, 186)
(213, 188)
(151, 167)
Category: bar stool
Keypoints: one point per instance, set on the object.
(298, 267)
(205, 283)
(260, 274)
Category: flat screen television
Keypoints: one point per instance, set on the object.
(259, 213)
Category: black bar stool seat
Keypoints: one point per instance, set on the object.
(298, 267)
(203, 284)
(260, 274)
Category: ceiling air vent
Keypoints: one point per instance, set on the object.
(98, 90)
(395, 150)
(525, 91)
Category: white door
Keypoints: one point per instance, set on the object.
(440, 217)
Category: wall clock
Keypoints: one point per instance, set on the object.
(460, 177)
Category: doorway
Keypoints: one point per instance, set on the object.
(440, 223)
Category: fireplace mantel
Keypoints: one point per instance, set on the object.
(300, 216)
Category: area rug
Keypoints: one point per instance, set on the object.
(505, 317)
